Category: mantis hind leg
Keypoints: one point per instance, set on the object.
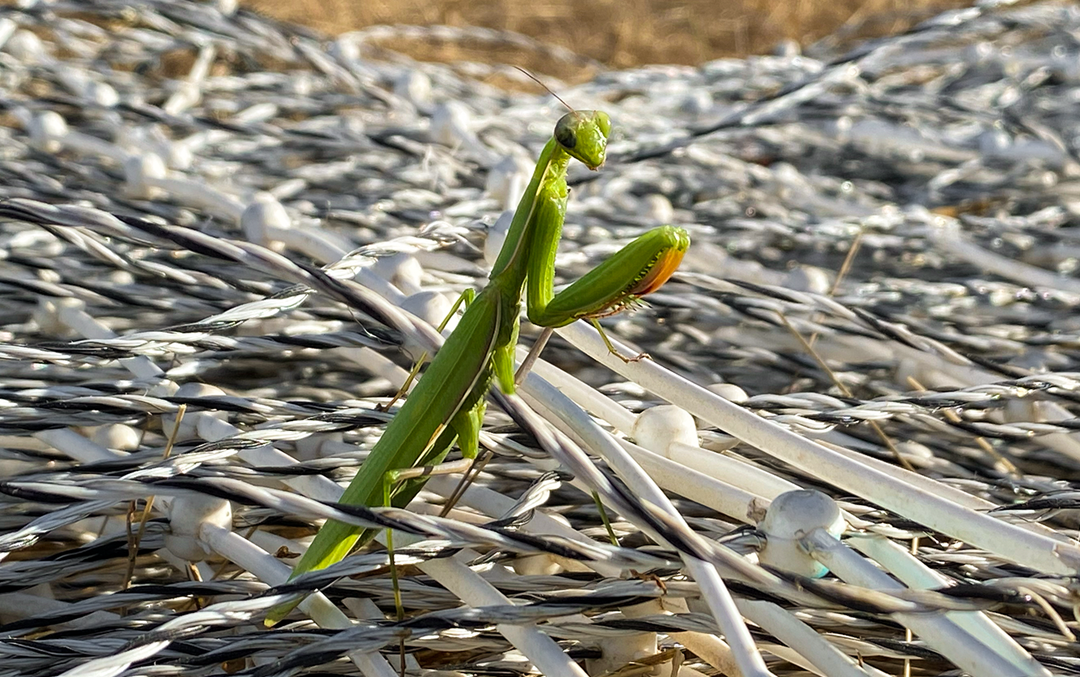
(465, 428)
(400, 487)
(469, 442)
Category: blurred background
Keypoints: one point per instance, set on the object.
(616, 33)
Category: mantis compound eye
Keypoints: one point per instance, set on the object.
(564, 131)
(603, 121)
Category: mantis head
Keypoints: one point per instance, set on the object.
(583, 134)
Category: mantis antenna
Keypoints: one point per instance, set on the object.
(546, 88)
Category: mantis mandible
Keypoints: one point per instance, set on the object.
(448, 401)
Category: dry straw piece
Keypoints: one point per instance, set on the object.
(223, 239)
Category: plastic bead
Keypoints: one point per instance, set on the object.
(790, 516)
(656, 428)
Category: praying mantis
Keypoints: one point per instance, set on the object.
(447, 403)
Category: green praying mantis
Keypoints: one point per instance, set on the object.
(447, 404)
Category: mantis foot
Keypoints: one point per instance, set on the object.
(636, 358)
(611, 348)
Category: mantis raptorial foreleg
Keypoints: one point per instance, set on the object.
(447, 403)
